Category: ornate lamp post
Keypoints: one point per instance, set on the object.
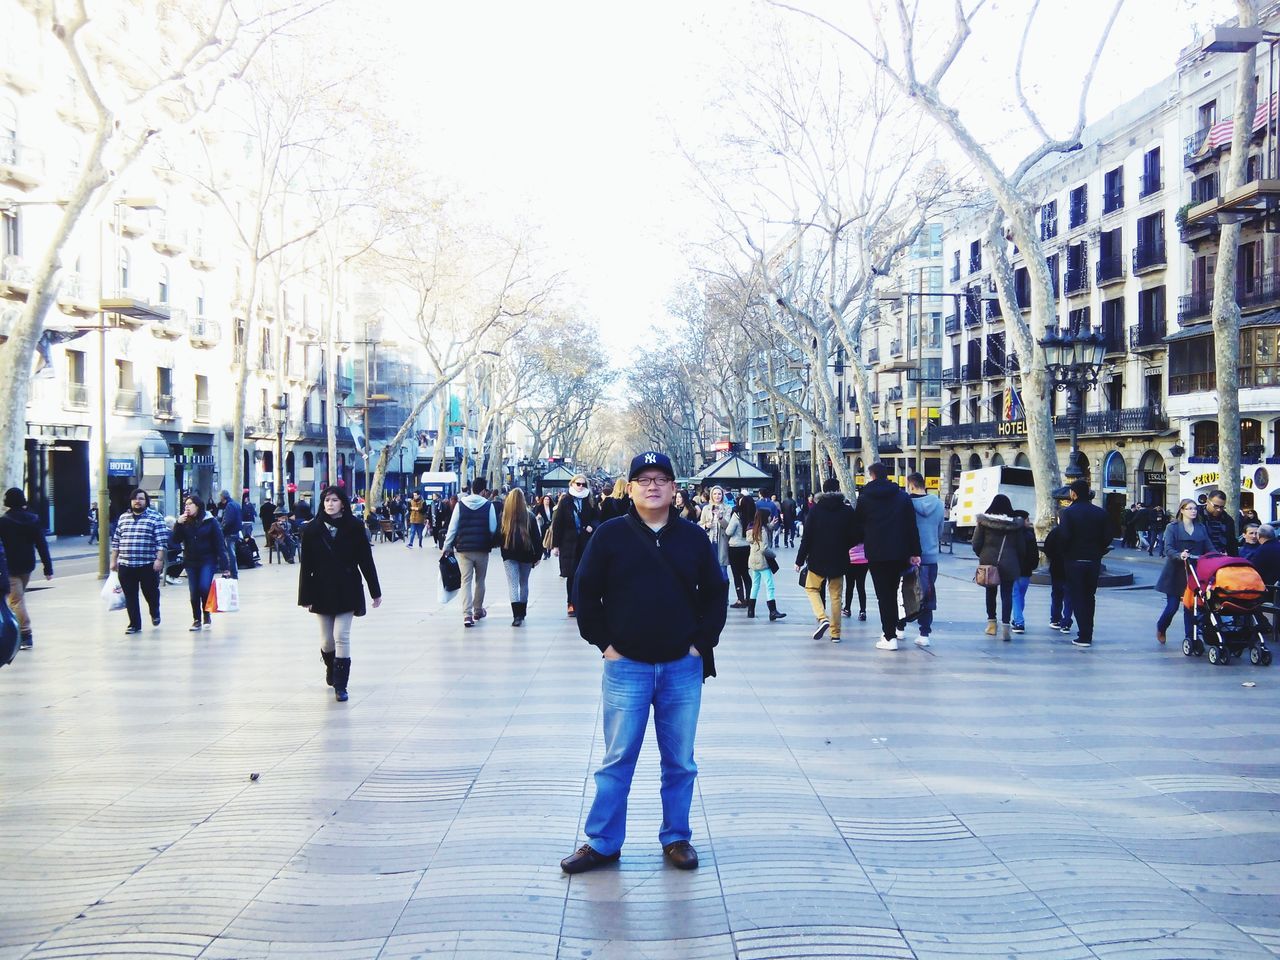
(1073, 362)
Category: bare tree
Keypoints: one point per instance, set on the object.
(200, 48)
(663, 404)
(1013, 192)
(567, 379)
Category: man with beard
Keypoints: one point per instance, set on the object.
(137, 557)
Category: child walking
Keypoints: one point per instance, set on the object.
(760, 539)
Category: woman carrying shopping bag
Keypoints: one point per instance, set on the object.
(204, 550)
(335, 552)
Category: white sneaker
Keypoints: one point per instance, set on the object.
(922, 641)
(887, 644)
(835, 639)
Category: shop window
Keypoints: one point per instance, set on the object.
(1260, 357)
(1191, 366)
(1113, 471)
(1204, 439)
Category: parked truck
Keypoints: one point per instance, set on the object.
(978, 488)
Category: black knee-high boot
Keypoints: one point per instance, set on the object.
(751, 609)
(327, 657)
(773, 610)
(341, 674)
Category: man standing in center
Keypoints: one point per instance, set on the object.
(1086, 537)
(891, 541)
(650, 594)
(473, 533)
(137, 556)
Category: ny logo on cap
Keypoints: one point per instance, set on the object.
(650, 458)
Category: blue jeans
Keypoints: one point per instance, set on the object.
(928, 574)
(1020, 600)
(199, 580)
(1059, 602)
(762, 583)
(416, 530)
(231, 557)
(630, 687)
(1166, 616)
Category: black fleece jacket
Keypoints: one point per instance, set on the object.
(22, 533)
(829, 532)
(888, 522)
(624, 594)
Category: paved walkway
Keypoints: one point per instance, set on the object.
(978, 799)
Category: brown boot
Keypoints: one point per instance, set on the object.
(991, 628)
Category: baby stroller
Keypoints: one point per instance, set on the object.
(1227, 596)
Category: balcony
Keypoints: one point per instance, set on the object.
(1150, 256)
(1148, 184)
(77, 396)
(263, 362)
(894, 393)
(972, 315)
(951, 377)
(15, 278)
(952, 325)
(1077, 280)
(310, 431)
(1112, 201)
(975, 264)
(204, 332)
(955, 273)
(171, 327)
(971, 372)
(202, 256)
(1011, 362)
(1048, 228)
(20, 165)
(1262, 291)
(296, 372)
(74, 299)
(203, 411)
(993, 367)
(851, 444)
(18, 68)
(895, 348)
(1110, 270)
(1128, 420)
(133, 223)
(170, 239)
(873, 356)
(1077, 216)
(1113, 339)
(889, 443)
(128, 402)
(1147, 336)
(873, 398)
(74, 108)
(962, 432)
(1191, 147)
(1194, 307)
(164, 406)
(993, 312)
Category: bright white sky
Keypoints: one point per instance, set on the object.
(566, 115)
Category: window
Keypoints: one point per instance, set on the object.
(1204, 439)
(1079, 206)
(202, 397)
(955, 266)
(1078, 321)
(1113, 190)
(1113, 324)
(200, 298)
(975, 256)
(1151, 308)
(1110, 255)
(1191, 369)
(162, 288)
(1150, 249)
(1204, 189)
(929, 242)
(1022, 287)
(124, 375)
(122, 271)
(1054, 274)
(8, 131)
(1077, 267)
(164, 392)
(12, 232)
(1252, 168)
(1249, 272)
(1150, 172)
(1208, 115)
(77, 391)
(1049, 220)
(1113, 393)
(1260, 357)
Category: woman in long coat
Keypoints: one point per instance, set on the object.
(1183, 537)
(335, 552)
(714, 519)
(998, 541)
(576, 518)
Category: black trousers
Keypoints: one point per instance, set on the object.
(131, 580)
(886, 576)
(1082, 586)
(738, 557)
(856, 577)
(1005, 590)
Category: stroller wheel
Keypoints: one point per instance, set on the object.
(1214, 655)
(1266, 658)
(1188, 647)
(1255, 656)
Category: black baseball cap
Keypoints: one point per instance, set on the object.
(651, 460)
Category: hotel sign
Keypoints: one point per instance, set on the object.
(1011, 428)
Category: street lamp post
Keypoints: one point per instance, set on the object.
(1073, 362)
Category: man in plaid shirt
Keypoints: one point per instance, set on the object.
(137, 556)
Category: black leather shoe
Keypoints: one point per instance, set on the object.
(155, 621)
(584, 859)
(681, 855)
(132, 629)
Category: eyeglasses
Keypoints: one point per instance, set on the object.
(652, 481)
(577, 484)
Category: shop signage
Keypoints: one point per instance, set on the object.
(1210, 478)
(1153, 477)
(120, 467)
(1011, 428)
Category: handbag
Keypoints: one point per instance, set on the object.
(546, 538)
(9, 633)
(771, 562)
(988, 574)
(804, 576)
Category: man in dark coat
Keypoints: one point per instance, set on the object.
(231, 521)
(789, 520)
(22, 534)
(891, 541)
(650, 596)
(1220, 524)
(828, 537)
(1086, 538)
(267, 512)
(1267, 557)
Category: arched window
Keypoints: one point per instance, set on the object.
(308, 459)
(1022, 460)
(997, 460)
(975, 462)
(1114, 473)
(955, 467)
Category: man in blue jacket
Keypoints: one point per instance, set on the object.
(649, 593)
(231, 521)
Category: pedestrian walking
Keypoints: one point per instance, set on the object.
(545, 513)
(93, 523)
(1160, 519)
(473, 533)
(1059, 598)
(887, 524)
(1029, 561)
(1183, 538)
(267, 514)
(744, 512)
(443, 517)
(829, 534)
(137, 557)
(22, 535)
(999, 543)
(617, 503)
(761, 539)
(929, 519)
(575, 520)
(521, 551)
(204, 551)
(335, 554)
(417, 518)
(230, 522)
(1086, 538)
(651, 596)
(1220, 524)
(856, 579)
(788, 507)
(714, 519)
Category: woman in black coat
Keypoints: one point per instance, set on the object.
(335, 552)
(204, 550)
(576, 518)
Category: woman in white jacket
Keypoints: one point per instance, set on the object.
(715, 518)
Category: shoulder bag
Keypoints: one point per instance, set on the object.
(988, 574)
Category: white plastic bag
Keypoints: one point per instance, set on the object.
(225, 595)
(112, 592)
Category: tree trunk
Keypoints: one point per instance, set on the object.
(1226, 312)
(240, 373)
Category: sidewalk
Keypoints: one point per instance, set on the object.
(978, 798)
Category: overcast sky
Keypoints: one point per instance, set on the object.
(566, 114)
